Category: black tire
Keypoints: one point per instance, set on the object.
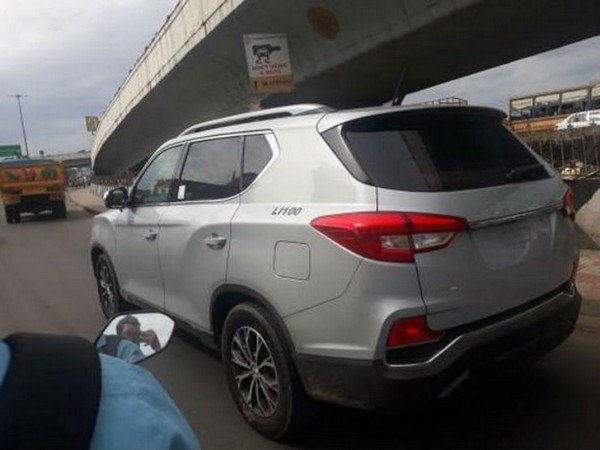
(59, 209)
(291, 411)
(110, 298)
(12, 214)
(8, 213)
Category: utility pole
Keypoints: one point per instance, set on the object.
(18, 97)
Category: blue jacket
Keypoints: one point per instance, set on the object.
(126, 350)
(135, 412)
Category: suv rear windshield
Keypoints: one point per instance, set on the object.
(439, 152)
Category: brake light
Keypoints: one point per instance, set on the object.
(568, 208)
(28, 174)
(411, 331)
(390, 236)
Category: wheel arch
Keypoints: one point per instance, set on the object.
(95, 252)
(227, 296)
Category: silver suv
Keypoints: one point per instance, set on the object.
(374, 258)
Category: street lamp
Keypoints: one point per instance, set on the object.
(18, 97)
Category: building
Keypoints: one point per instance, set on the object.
(555, 103)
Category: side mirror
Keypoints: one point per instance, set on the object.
(136, 336)
(116, 198)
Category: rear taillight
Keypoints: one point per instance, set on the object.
(411, 331)
(390, 236)
(568, 207)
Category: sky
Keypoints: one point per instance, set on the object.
(573, 65)
(70, 56)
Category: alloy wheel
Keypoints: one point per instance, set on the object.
(106, 286)
(254, 371)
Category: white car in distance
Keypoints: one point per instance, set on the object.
(580, 120)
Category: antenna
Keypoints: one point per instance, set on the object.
(397, 98)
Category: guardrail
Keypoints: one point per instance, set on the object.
(574, 152)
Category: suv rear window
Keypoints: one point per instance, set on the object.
(439, 152)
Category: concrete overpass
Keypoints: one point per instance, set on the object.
(344, 53)
(76, 159)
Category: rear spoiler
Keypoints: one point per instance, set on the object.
(334, 119)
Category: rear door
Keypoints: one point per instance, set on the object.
(195, 230)
(518, 246)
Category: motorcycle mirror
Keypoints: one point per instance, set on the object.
(135, 336)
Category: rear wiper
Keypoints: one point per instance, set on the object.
(521, 170)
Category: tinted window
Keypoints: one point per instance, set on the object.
(211, 170)
(578, 118)
(257, 154)
(427, 152)
(156, 182)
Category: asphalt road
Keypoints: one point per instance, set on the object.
(47, 285)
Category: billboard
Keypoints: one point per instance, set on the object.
(268, 60)
(10, 150)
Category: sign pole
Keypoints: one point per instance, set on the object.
(18, 97)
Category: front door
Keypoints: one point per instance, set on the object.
(195, 230)
(137, 231)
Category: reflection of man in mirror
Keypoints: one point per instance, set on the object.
(125, 344)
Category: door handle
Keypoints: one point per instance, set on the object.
(215, 241)
(151, 236)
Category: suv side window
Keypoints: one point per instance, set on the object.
(155, 184)
(257, 154)
(211, 170)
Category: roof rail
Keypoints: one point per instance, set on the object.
(255, 116)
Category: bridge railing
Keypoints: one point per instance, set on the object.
(190, 22)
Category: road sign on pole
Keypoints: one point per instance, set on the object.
(268, 60)
(13, 150)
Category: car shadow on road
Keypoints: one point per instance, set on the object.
(506, 411)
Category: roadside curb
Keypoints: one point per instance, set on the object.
(87, 208)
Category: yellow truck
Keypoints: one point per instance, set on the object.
(30, 185)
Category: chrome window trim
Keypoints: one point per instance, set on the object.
(274, 155)
(275, 152)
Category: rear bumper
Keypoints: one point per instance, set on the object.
(518, 336)
(35, 202)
